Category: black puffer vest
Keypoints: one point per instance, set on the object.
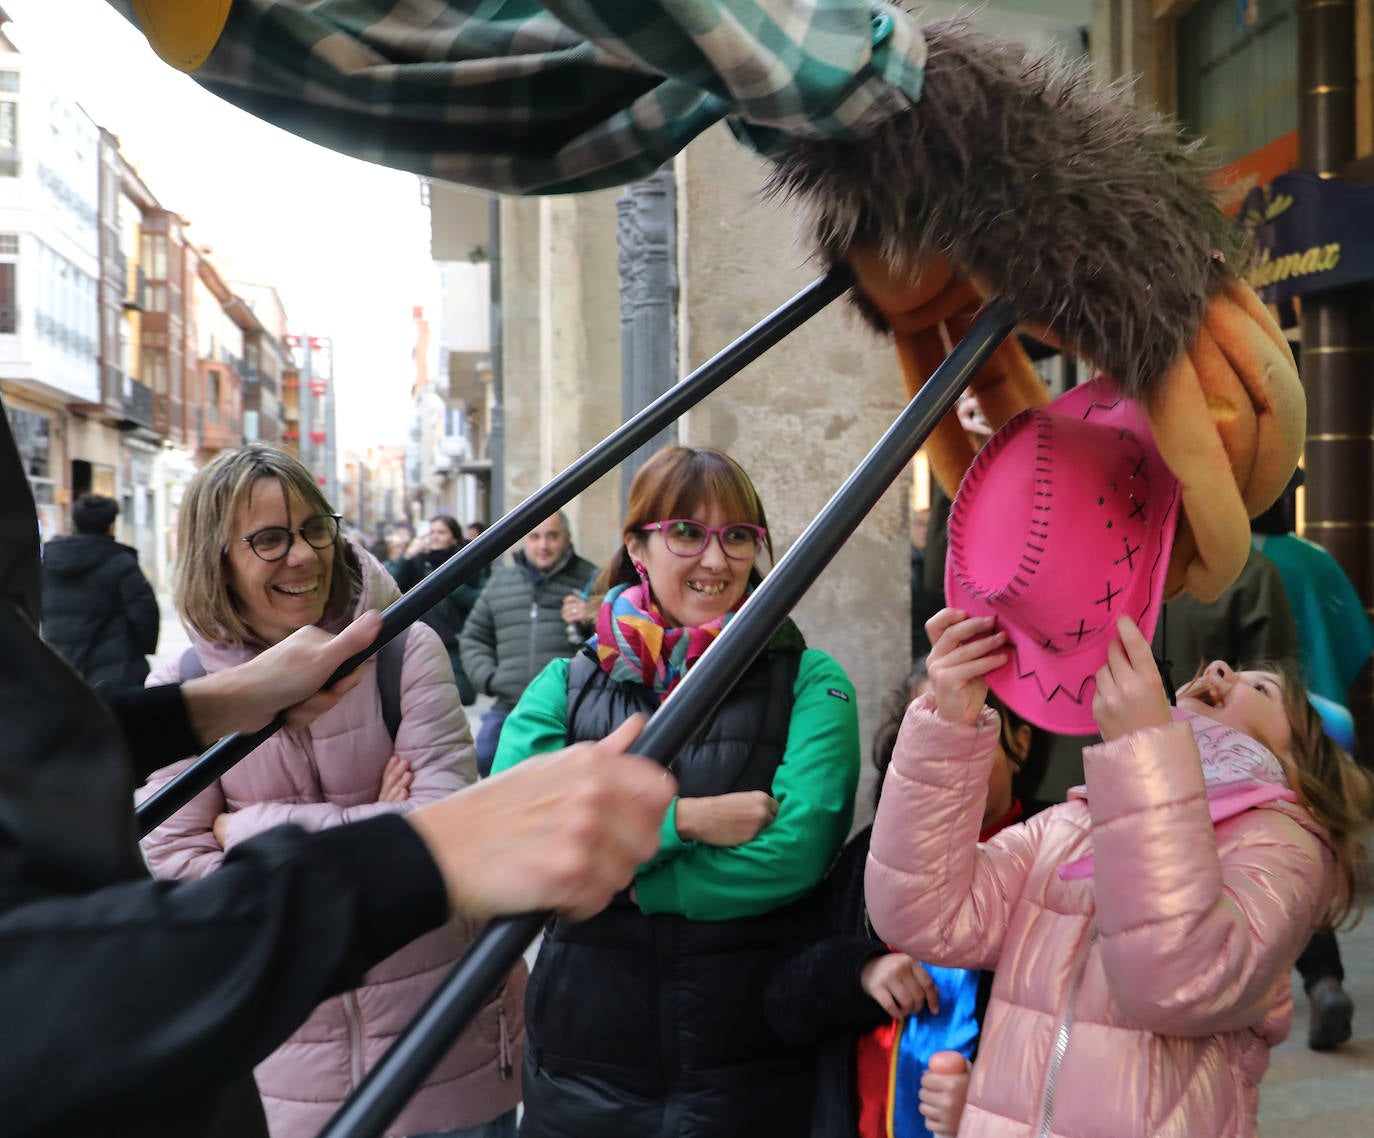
(653, 1026)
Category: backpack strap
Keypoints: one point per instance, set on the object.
(390, 659)
(190, 666)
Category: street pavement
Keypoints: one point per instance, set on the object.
(1306, 1094)
(1309, 1094)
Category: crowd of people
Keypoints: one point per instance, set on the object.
(727, 958)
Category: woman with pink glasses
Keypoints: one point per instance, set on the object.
(648, 1019)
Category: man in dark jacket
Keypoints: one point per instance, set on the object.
(139, 1007)
(519, 624)
(99, 611)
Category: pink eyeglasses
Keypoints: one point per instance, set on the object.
(684, 537)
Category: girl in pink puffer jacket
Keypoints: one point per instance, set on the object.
(1142, 932)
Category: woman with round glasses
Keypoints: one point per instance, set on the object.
(648, 1019)
(261, 556)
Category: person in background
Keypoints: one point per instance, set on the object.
(517, 625)
(99, 612)
(451, 613)
(648, 1020)
(262, 557)
(473, 530)
(398, 538)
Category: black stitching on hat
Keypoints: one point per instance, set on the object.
(1129, 555)
(1138, 511)
(1107, 600)
(1081, 631)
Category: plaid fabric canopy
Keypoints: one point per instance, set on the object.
(519, 96)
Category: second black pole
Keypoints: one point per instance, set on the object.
(403, 1068)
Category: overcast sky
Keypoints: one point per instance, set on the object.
(346, 243)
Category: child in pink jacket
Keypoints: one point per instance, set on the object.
(1142, 932)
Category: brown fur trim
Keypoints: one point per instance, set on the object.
(1090, 214)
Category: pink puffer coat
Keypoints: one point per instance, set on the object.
(1142, 1000)
(325, 775)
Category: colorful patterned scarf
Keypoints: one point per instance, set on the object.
(634, 644)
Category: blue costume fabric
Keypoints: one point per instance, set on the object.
(953, 1028)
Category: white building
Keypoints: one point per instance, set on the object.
(49, 268)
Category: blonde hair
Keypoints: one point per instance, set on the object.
(208, 509)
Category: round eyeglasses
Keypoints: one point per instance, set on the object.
(272, 543)
(739, 541)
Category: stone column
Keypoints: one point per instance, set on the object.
(1337, 341)
(520, 349)
(647, 242)
(580, 355)
(801, 417)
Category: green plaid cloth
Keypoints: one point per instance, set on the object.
(518, 96)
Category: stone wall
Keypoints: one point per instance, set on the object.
(800, 418)
(562, 352)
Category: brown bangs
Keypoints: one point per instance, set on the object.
(679, 481)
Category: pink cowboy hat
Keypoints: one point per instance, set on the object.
(1063, 524)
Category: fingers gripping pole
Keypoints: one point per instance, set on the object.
(488, 546)
(404, 1067)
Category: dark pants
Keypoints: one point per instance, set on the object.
(488, 736)
(1320, 959)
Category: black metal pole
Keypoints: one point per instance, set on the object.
(543, 503)
(401, 1070)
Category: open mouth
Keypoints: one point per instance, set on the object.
(704, 589)
(1203, 692)
(298, 590)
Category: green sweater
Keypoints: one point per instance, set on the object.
(814, 786)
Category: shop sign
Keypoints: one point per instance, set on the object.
(1310, 234)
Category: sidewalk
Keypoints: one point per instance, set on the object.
(1310, 1094)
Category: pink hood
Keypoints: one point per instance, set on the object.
(325, 775)
(1163, 978)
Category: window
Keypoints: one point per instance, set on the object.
(9, 244)
(157, 298)
(154, 370)
(154, 258)
(9, 81)
(9, 309)
(212, 395)
(9, 138)
(31, 436)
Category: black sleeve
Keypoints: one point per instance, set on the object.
(145, 988)
(141, 608)
(409, 574)
(815, 992)
(155, 725)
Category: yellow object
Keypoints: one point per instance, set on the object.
(182, 32)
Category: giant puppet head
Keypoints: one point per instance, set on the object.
(1015, 176)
